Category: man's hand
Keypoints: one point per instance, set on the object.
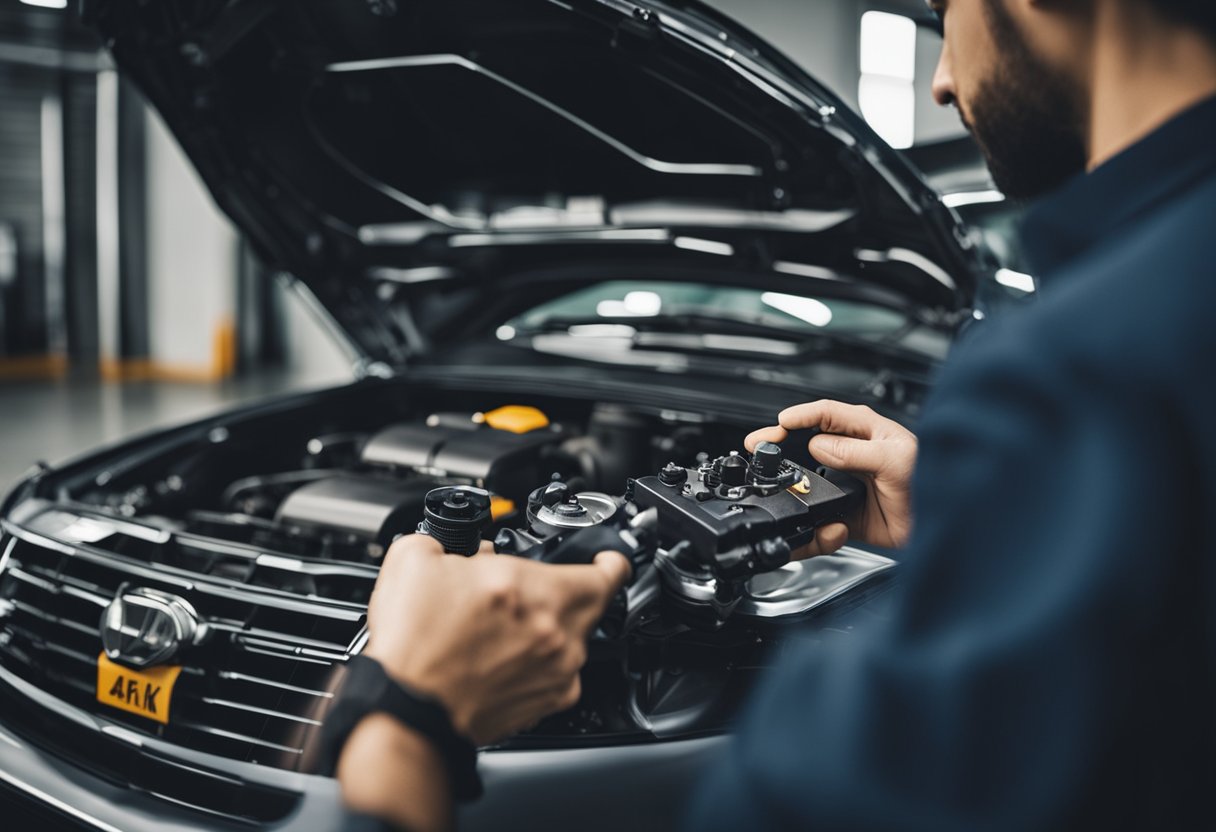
(498, 640)
(857, 440)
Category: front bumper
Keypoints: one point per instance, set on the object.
(636, 787)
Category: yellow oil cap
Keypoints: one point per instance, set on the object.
(516, 418)
(500, 507)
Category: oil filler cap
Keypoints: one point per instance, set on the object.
(456, 515)
(517, 418)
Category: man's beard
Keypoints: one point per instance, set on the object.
(1027, 120)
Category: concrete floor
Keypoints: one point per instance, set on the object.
(51, 421)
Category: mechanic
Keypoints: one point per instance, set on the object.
(1049, 660)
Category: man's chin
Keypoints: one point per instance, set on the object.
(1027, 162)
(1033, 178)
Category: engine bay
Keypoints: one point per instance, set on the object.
(307, 499)
(344, 495)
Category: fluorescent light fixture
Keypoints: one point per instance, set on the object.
(961, 198)
(889, 106)
(705, 246)
(814, 312)
(47, 4)
(1015, 280)
(886, 91)
(888, 45)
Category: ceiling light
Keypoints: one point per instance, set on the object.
(888, 45)
(47, 4)
(886, 92)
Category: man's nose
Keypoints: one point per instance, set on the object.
(943, 80)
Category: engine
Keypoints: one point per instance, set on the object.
(353, 493)
(714, 595)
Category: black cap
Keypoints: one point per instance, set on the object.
(456, 515)
(734, 470)
(766, 461)
(673, 475)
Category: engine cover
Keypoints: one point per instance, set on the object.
(372, 509)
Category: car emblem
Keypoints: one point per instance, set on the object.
(144, 627)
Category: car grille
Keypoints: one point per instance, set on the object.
(253, 691)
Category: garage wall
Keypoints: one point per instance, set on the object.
(312, 353)
(22, 297)
(191, 261)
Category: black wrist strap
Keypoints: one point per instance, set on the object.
(367, 689)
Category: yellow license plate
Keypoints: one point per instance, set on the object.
(143, 692)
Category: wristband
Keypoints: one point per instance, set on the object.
(367, 689)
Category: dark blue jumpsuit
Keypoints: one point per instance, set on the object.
(1049, 663)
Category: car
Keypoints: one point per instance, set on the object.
(567, 239)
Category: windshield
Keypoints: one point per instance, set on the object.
(648, 304)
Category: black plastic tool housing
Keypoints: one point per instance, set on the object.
(737, 529)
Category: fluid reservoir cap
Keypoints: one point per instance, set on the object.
(588, 508)
(553, 493)
(571, 508)
(766, 460)
(456, 516)
(673, 475)
(734, 470)
(517, 418)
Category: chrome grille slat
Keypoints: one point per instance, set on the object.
(20, 574)
(232, 735)
(41, 643)
(256, 680)
(278, 654)
(49, 585)
(70, 653)
(70, 580)
(287, 649)
(187, 581)
(54, 619)
(86, 595)
(224, 703)
(274, 636)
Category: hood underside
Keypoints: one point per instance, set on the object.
(387, 153)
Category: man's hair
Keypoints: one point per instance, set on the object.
(1198, 13)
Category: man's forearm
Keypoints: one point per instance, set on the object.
(390, 772)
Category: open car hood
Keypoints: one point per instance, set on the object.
(403, 158)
